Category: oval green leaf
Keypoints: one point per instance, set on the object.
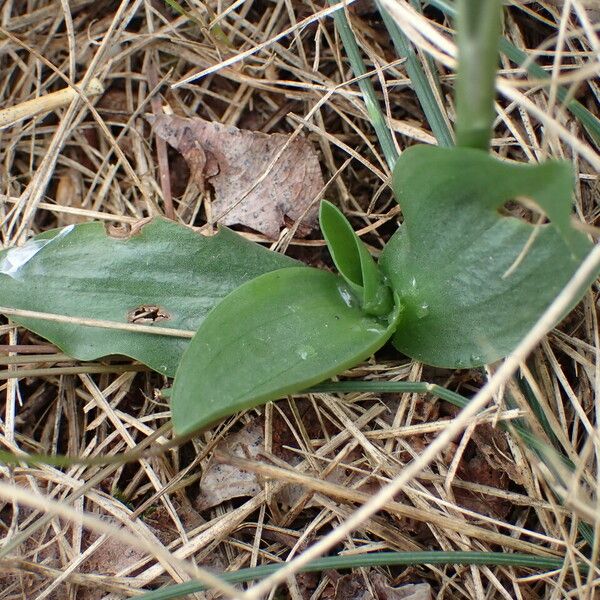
(275, 335)
(472, 281)
(81, 271)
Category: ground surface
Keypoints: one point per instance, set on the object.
(486, 491)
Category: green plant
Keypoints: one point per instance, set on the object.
(365, 560)
(457, 285)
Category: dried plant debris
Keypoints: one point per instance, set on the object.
(221, 482)
(258, 179)
(375, 586)
(409, 591)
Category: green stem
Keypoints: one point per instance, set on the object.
(586, 118)
(478, 26)
(379, 559)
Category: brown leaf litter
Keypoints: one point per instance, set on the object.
(221, 482)
(374, 586)
(258, 179)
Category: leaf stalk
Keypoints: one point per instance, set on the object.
(478, 24)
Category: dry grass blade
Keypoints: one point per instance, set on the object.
(26, 498)
(31, 108)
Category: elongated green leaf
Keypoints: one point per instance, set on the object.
(376, 115)
(472, 281)
(354, 262)
(343, 246)
(275, 335)
(81, 271)
(379, 559)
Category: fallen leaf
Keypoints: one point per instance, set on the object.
(236, 163)
(221, 482)
(111, 557)
(69, 194)
(354, 587)
(409, 591)
(491, 442)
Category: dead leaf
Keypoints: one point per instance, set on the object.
(409, 591)
(222, 482)
(236, 163)
(69, 194)
(352, 587)
(111, 557)
(491, 442)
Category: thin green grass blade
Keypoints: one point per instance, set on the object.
(403, 387)
(378, 120)
(415, 71)
(586, 118)
(379, 559)
(586, 530)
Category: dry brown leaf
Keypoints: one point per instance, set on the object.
(221, 482)
(351, 587)
(409, 591)
(112, 556)
(236, 163)
(69, 193)
(354, 587)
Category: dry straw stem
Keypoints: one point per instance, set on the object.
(48, 102)
(13, 493)
(351, 496)
(100, 323)
(258, 47)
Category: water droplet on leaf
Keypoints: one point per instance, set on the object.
(422, 310)
(346, 296)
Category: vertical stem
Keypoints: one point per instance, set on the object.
(478, 25)
(586, 118)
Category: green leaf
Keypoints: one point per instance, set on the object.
(81, 271)
(470, 284)
(354, 262)
(371, 559)
(275, 335)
